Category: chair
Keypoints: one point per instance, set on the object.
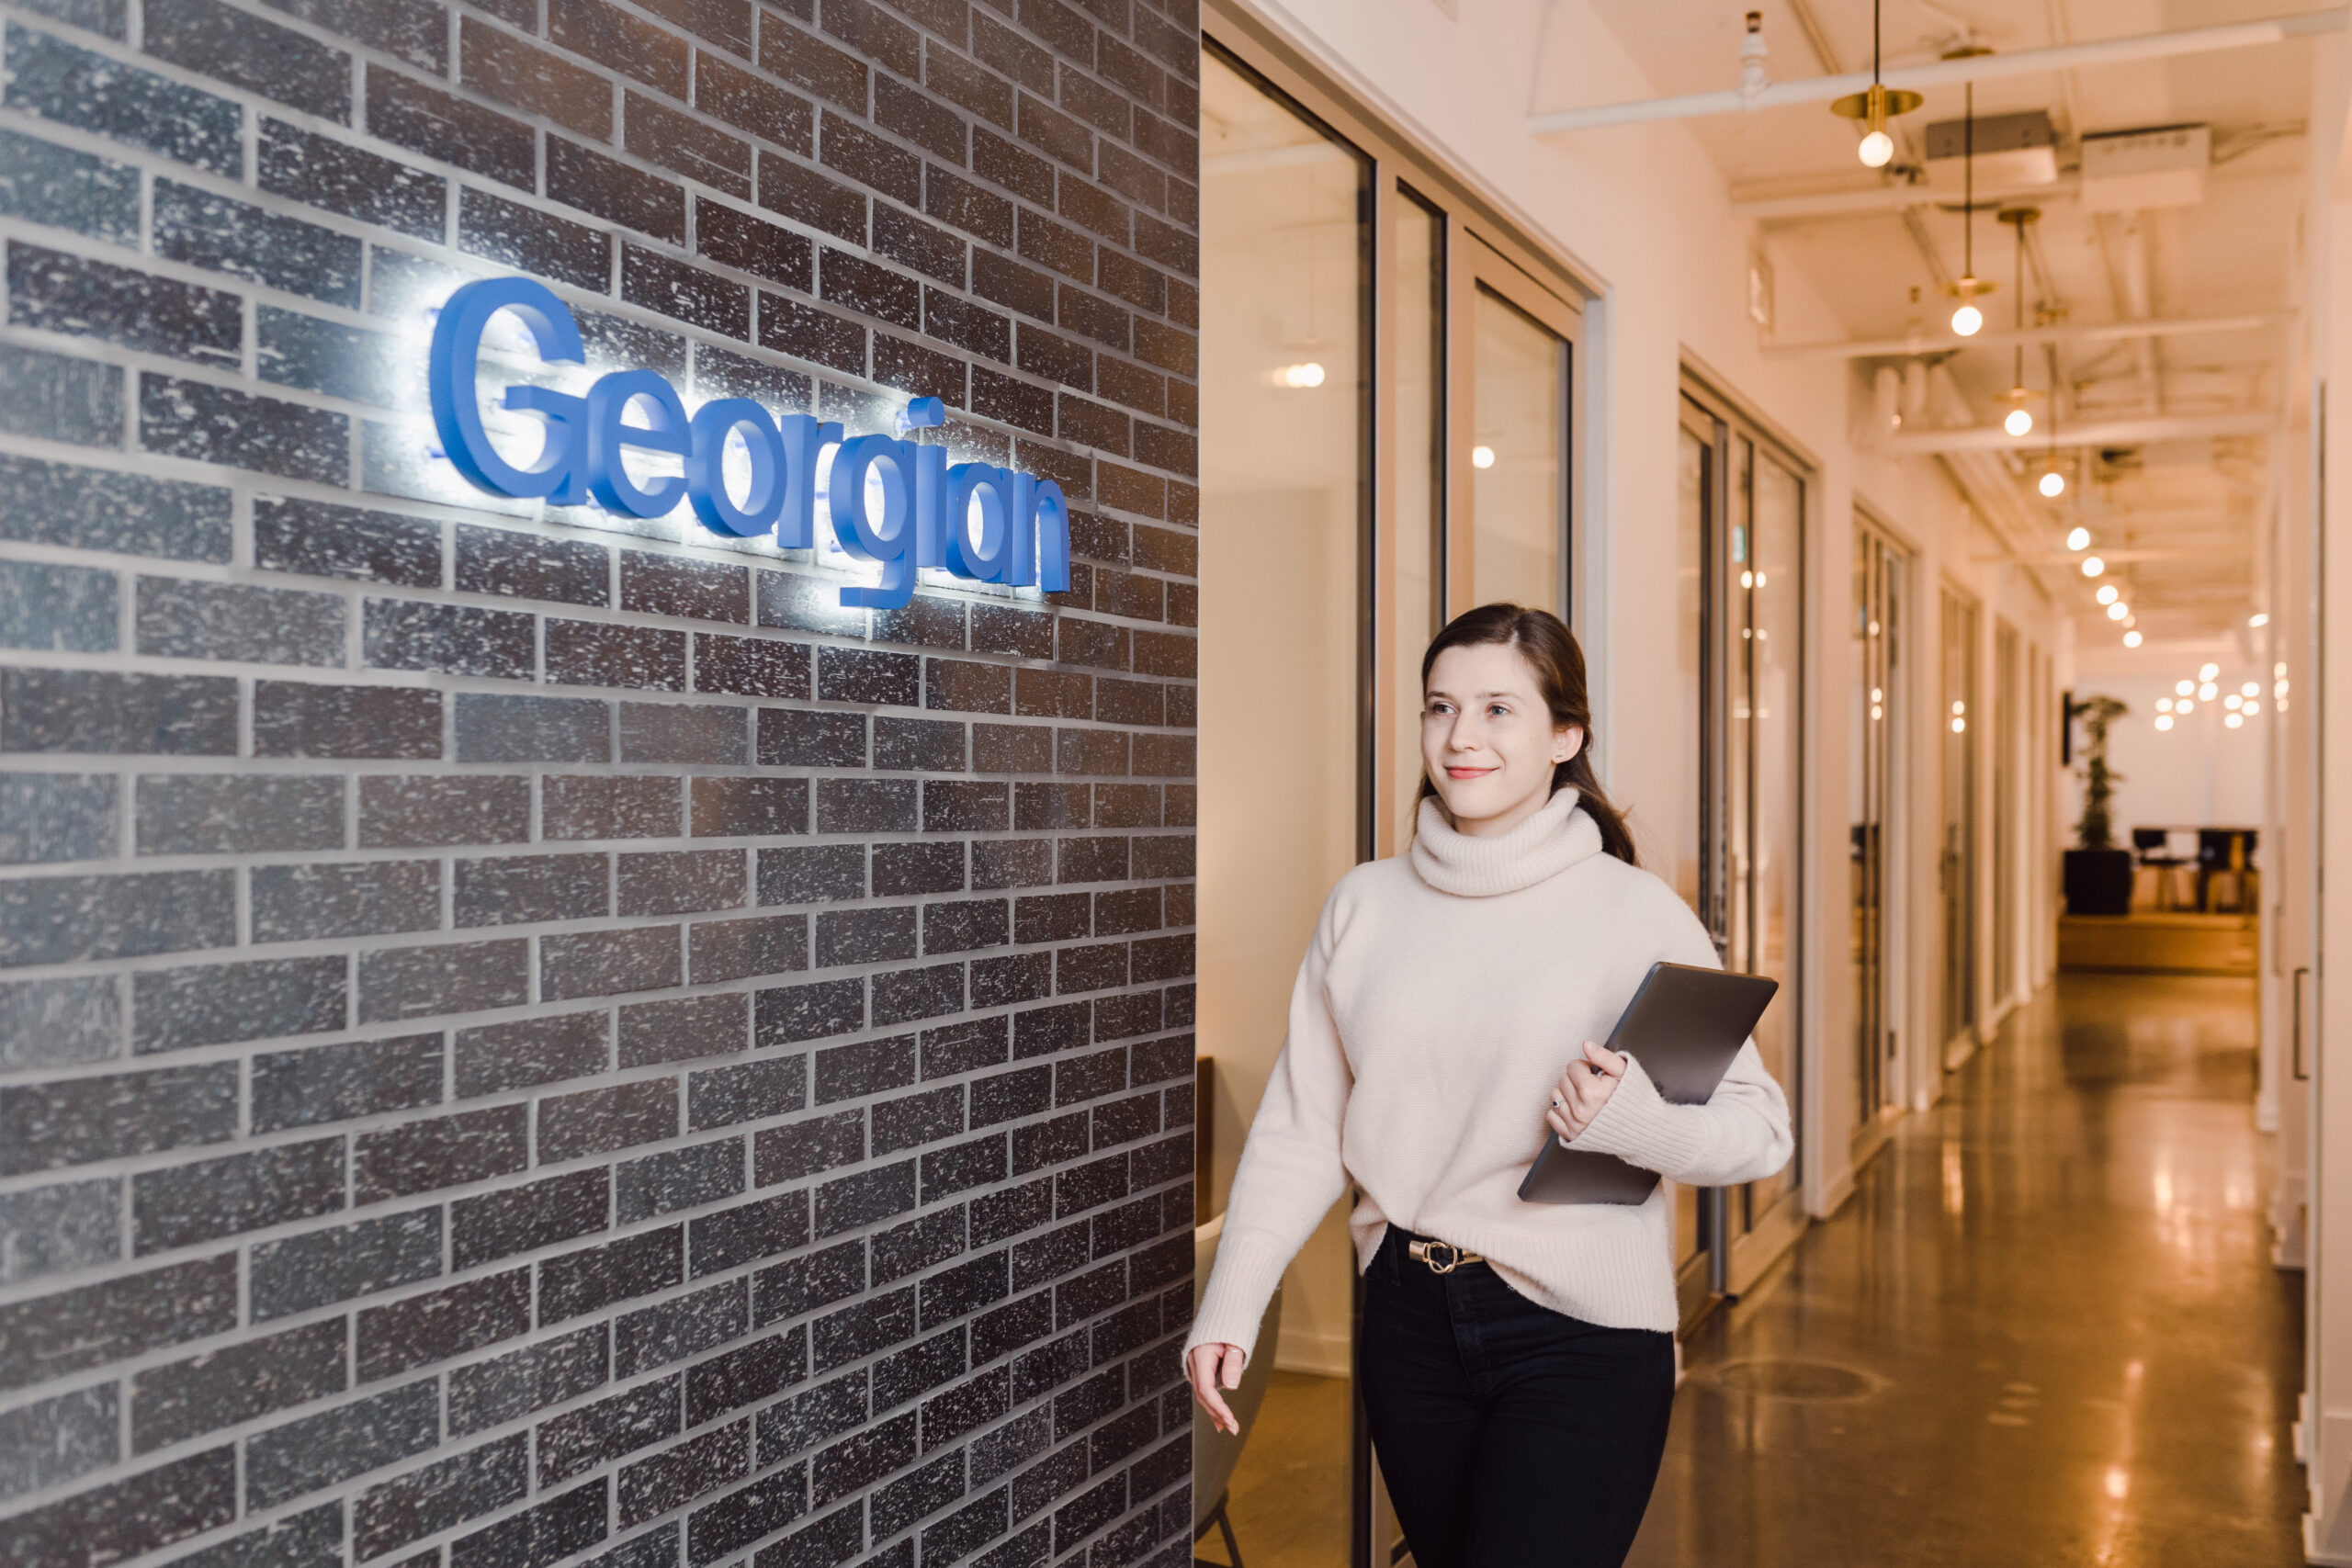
(1215, 1453)
(2224, 851)
(2153, 846)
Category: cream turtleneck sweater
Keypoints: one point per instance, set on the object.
(1443, 993)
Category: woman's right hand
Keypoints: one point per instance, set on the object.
(1213, 1368)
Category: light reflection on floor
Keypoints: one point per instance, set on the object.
(2060, 1282)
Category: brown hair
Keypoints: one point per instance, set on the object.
(1551, 651)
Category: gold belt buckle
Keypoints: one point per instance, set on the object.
(1428, 1252)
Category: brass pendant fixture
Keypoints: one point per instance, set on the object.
(2019, 419)
(1967, 321)
(1876, 106)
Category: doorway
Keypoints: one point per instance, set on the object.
(1956, 864)
(1877, 713)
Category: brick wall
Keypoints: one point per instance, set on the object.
(522, 1042)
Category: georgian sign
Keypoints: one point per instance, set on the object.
(884, 499)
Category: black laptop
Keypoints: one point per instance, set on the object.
(1684, 1026)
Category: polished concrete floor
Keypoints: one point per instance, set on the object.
(2044, 1330)
(1289, 1500)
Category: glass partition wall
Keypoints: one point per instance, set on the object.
(1739, 644)
(1877, 725)
(1387, 387)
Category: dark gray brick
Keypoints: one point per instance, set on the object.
(173, 1009)
(297, 350)
(678, 1179)
(540, 1536)
(334, 1083)
(753, 667)
(526, 238)
(381, 723)
(496, 729)
(61, 1022)
(748, 1232)
(205, 423)
(128, 1518)
(456, 639)
(741, 807)
(466, 977)
(43, 183)
(599, 1120)
(703, 733)
(312, 1539)
(66, 919)
(208, 231)
(409, 114)
(324, 1267)
(197, 814)
(47, 1337)
(442, 1151)
(58, 398)
(808, 1147)
(58, 1230)
(301, 1457)
(186, 1399)
(513, 889)
(440, 1495)
(77, 88)
(679, 1029)
(489, 1393)
(602, 806)
(602, 653)
(350, 180)
(522, 1219)
(95, 710)
(738, 950)
(526, 566)
(530, 1052)
(57, 1441)
(48, 817)
(242, 51)
(865, 805)
(677, 882)
(59, 292)
(582, 1439)
(58, 504)
(753, 1091)
(426, 811)
(75, 1120)
(902, 869)
(800, 737)
(318, 539)
(181, 619)
(413, 30)
(785, 1014)
(434, 1325)
(192, 1204)
(603, 964)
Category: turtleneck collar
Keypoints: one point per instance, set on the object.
(1544, 845)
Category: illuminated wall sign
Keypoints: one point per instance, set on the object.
(886, 500)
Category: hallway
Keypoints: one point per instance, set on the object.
(2045, 1328)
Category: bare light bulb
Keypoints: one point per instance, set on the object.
(1304, 375)
(2208, 672)
(2093, 566)
(2019, 422)
(2234, 720)
(2164, 721)
(2251, 689)
(2052, 484)
(2233, 702)
(1968, 320)
(2183, 709)
(1876, 150)
(2079, 540)
(2257, 619)
(2183, 688)
(2108, 593)
(1482, 456)
(2164, 705)
(2118, 610)
(2131, 639)
(2251, 709)
(2208, 691)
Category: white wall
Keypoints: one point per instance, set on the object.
(2199, 774)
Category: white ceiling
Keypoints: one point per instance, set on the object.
(2178, 517)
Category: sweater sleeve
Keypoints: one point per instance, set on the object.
(1741, 1134)
(1290, 1173)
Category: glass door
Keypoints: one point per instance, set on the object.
(2008, 741)
(1512, 543)
(1285, 491)
(1957, 861)
(1740, 541)
(1875, 728)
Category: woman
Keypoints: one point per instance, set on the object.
(1517, 1359)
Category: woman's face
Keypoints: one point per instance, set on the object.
(1488, 739)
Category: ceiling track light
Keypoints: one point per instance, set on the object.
(1875, 106)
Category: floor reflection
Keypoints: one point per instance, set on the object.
(2054, 1300)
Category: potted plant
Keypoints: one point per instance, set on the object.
(2099, 874)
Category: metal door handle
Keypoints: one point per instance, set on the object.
(2297, 982)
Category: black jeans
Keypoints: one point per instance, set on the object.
(1510, 1436)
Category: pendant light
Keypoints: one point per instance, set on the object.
(2019, 419)
(1967, 321)
(2053, 482)
(1875, 108)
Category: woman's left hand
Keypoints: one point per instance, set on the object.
(1583, 1089)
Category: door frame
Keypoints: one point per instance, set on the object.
(1874, 1123)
